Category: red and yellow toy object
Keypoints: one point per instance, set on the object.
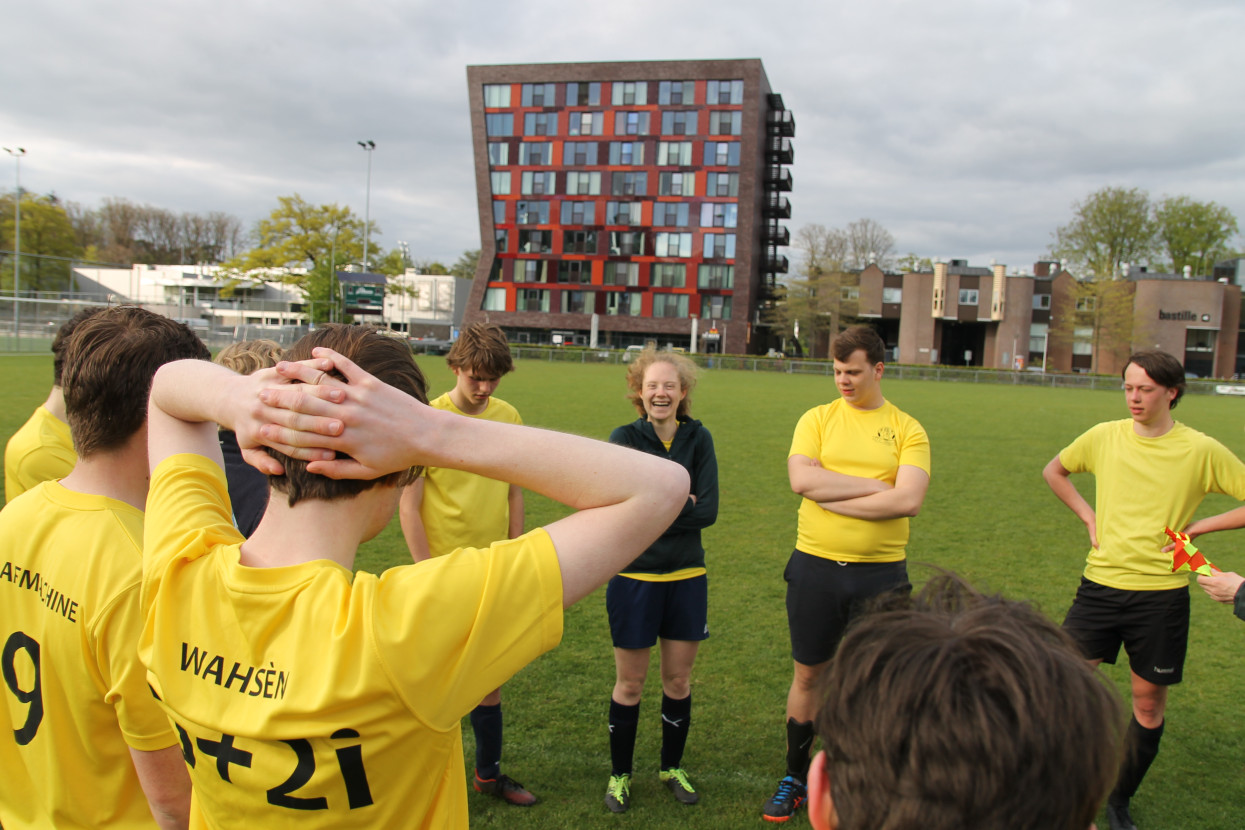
(1186, 556)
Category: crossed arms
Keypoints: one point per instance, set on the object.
(859, 497)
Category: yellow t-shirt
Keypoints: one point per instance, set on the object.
(463, 509)
(310, 697)
(1143, 485)
(869, 443)
(42, 450)
(74, 690)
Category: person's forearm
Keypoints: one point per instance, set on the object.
(1063, 488)
(1228, 520)
(821, 485)
(896, 503)
(515, 506)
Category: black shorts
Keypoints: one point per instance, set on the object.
(642, 611)
(1152, 625)
(824, 595)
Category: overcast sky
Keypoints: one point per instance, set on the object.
(966, 127)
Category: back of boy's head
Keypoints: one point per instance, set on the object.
(62, 340)
(385, 358)
(958, 711)
(109, 362)
(249, 356)
(483, 348)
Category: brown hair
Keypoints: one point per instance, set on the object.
(481, 347)
(249, 356)
(109, 362)
(1163, 369)
(684, 366)
(389, 361)
(956, 711)
(62, 339)
(856, 338)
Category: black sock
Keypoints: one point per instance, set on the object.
(486, 723)
(1141, 745)
(623, 720)
(799, 748)
(676, 719)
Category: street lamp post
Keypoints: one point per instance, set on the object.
(17, 238)
(368, 147)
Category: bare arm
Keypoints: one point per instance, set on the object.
(412, 521)
(902, 500)
(162, 774)
(1057, 477)
(625, 498)
(1222, 587)
(814, 482)
(515, 499)
(1228, 520)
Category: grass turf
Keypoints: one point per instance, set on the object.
(988, 516)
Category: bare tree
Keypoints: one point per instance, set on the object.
(869, 243)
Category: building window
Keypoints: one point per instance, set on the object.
(494, 299)
(668, 275)
(673, 244)
(501, 241)
(586, 123)
(578, 302)
(583, 95)
(1200, 340)
(722, 153)
(1086, 303)
(499, 123)
(500, 182)
(724, 92)
(715, 308)
(721, 184)
(622, 303)
(674, 153)
(535, 182)
(535, 242)
(575, 271)
(536, 152)
(579, 242)
(621, 273)
(626, 152)
(1037, 336)
(497, 95)
(1083, 340)
(630, 93)
(678, 122)
(968, 296)
(540, 123)
(725, 122)
(1041, 301)
(719, 215)
(622, 213)
(669, 305)
(677, 93)
(719, 245)
(583, 184)
(498, 153)
(499, 213)
(626, 243)
(531, 213)
(892, 295)
(849, 293)
(538, 95)
(631, 123)
(670, 214)
(676, 184)
(716, 276)
(530, 270)
(578, 213)
(579, 153)
(532, 299)
(629, 184)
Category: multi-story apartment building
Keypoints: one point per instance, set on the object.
(626, 202)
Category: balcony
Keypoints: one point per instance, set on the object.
(776, 234)
(781, 122)
(778, 177)
(777, 206)
(779, 150)
(776, 264)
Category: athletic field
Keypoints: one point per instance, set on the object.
(988, 516)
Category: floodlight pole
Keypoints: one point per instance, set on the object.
(17, 239)
(368, 147)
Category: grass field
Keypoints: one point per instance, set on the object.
(988, 516)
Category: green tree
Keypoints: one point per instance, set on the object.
(809, 306)
(910, 263)
(301, 244)
(1110, 227)
(48, 242)
(1195, 234)
(466, 264)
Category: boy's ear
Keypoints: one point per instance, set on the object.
(820, 804)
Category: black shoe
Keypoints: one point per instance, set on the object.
(1118, 817)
